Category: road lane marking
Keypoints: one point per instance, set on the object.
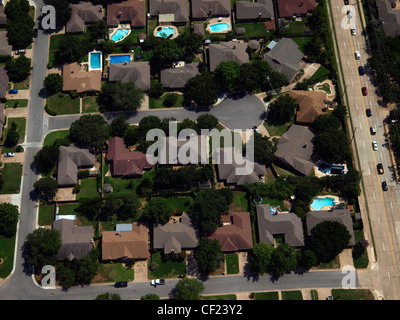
(374, 196)
(391, 205)
(389, 275)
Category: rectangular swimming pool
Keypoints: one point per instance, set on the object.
(95, 60)
(120, 58)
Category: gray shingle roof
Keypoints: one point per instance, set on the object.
(288, 224)
(3, 82)
(296, 147)
(82, 13)
(180, 9)
(201, 9)
(227, 51)
(246, 10)
(5, 47)
(136, 72)
(390, 18)
(178, 77)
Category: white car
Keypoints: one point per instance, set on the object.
(9, 154)
(353, 31)
(357, 54)
(157, 282)
(375, 145)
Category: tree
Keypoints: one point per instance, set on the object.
(18, 69)
(73, 48)
(150, 296)
(97, 30)
(129, 208)
(90, 207)
(19, 23)
(190, 42)
(170, 100)
(53, 82)
(207, 121)
(89, 131)
(120, 96)
(119, 126)
(226, 75)
(106, 47)
(63, 11)
(283, 259)
(326, 122)
(46, 158)
(108, 296)
(85, 270)
(166, 52)
(188, 289)
(208, 255)
(12, 138)
(328, 239)
(8, 219)
(202, 90)
(145, 186)
(261, 257)
(42, 246)
(46, 188)
(156, 89)
(281, 110)
(332, 145)
(65, 275)
(308, 259)
(263, 149)
(158, 210)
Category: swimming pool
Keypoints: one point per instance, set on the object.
(223, 26)
(119, 34)
(95, 60)
(120, 58)
(319, 203)
(165, 32)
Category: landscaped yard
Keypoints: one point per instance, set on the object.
(114, 272)
(352, 294)
(292, 295)
(253, 29)
(46, 214)
(126, 186)
(167, 269)
(240, 202)
(220, 297)
(7, 246)
(181, 203)
(266, 295)
(89, 104)
(302, 42)
(24, 85)
(232, 263)
(63, 104)
(67, 209)
(88, 189)
(159, 103)
(21, 103)
(321, 74)
(21, 126)
(293, 27)
(11, 176)
(53, 136)
(363, 261)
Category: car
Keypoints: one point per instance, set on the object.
(353, 31)
(375, 145)
(9, 154)
(384, 186)
(20, 51)
(121, 284)
(13, 91)
(379, 167)
(36, 32)
(364, 91)
(373, 130)
(256, 129)
(361, 70)
(357, 54)
(329, 298)
(368, 112)
(346, 2)
(157, 282)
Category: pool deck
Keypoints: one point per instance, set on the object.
(219, 20)
(335, 198)
(89, 61)
(111, 31)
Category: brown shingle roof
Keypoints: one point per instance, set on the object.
(130, 11)
(311, 105)
(289, 8)
(201, 9)
(123, 161)
(75, 77)
(235, 232)
(126, 244)
(178, 77)
(82, 13)
(246, 10)
(5, 47)
(3, 17)
(3, 82)
(180, 9)
(227, 51)
(136, 72)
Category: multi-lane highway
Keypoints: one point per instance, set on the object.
(382, 208)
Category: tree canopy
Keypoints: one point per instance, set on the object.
(260, 258)
(46, 188)
(158, 210)
(208, 255)
(8, 219)
(19, 23)
(19, 69)
(281, 110)
(53, 82)
(188, 289)
(202, 90)
(120, 96)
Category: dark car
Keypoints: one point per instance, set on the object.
(379, 167)
(36, 32)
(346, 2)
(121, 284)
(384, 186)
(13, 91)
(368, 112)
(361, 70)
(364, 91)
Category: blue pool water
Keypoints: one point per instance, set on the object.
(165, 32)
(319, 203)
(119, 34)
(95, 60)
(219, 26)
(120, 58)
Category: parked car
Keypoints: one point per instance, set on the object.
(379, 167)
(364, 91)
(361, 70)
(375, 145)
(36, 32)
(373, 130)
(9, 154)
(368, 112)
(13, 91)
(256, 129)
(384, 186)
(353, 31)
(20, 51)
(346, 2)
(121, 284)
(357, 54)
(157, 282)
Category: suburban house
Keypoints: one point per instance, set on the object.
(5, 47)
(125, 163)
(389, 14)
(176, 235)
(3, 82)
(234, 233)
(342, 216)
(295, 148)
(270, 225)
(177, 9)
(203, 9)
(285, 57)
(132, 12)
(298, 8)
(77, 77)
(77, 241)
(227, 51)
(3, 17)
(260, 10)
(311, 105)
(130, 244)
(178, 76)
(136, 72)
(83, 13)
(71, 159)
(229, 162)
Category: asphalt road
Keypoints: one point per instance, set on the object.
(383, 207)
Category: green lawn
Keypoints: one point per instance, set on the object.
(294, 27)
(314, 295)
(23, 85)
(88, 189)
(67, 209)
(220, 297)
(133, 36)
(46, 214)
(21, 126)
(89, 104)
(159, 103)
(115, 272)
(232, 263)
(363, 261)
(240, 202)
(352, 294)
(181, 203)
(167, 269)
(253, 29)
(11, 176)
(302, 42)
(7, 246)
(266, 295)
(273, 202)
(53, 136)
(321, 74)
(63, 104)
(278, 130)
(126, 186)
(292, 295)
(22, 103)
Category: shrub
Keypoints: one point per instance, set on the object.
(170, 100)
(49, 111)
(19, 149)
(153, 266)
(83, 174)
(77, 188)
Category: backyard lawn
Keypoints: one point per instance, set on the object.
(11, 176)
(88, 189)
(253, 29)
(126, 186)
(67, 209)
(63, 104)
(181, 203)
(302, 42)
(53, 136)
(321, 74)
(240, 202)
